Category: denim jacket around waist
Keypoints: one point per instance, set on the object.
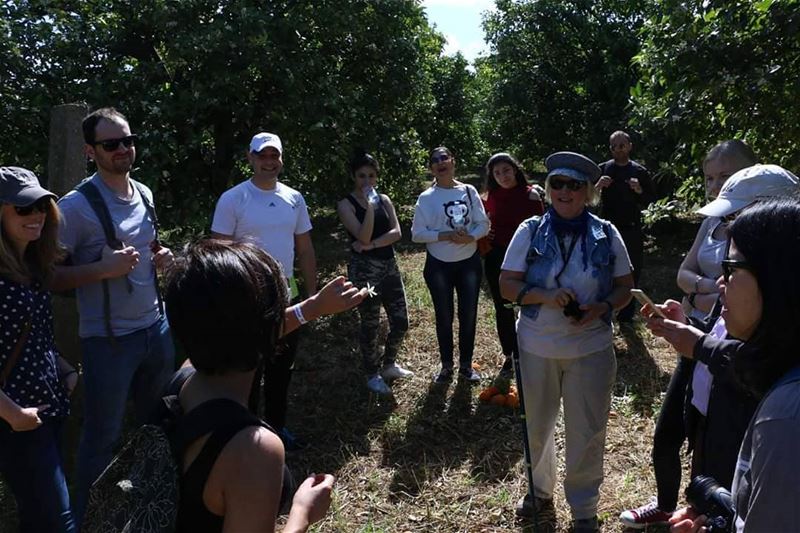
(544, 252)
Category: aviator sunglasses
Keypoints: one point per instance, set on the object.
(573, 185)
(439, 158)
(109, 145)
(39, 205)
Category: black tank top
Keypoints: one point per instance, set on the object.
(380, 227)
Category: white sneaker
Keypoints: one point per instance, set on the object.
(393, 371)
(378, 386)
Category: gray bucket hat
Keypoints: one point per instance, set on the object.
(20, 187)
(572, 165)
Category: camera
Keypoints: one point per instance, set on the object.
(573, 310)
(713, 500)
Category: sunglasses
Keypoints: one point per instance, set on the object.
(729, 265)
(40, 205)
(573, 185)
(439, 158)
(109, 145)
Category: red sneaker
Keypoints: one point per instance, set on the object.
(646, 515)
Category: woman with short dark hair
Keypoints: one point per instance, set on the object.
(227, 304)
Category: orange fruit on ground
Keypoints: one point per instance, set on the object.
(476, 366)
(487, 393)
(512, 400)
(498, 399)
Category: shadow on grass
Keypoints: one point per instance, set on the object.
(442, 435)
(638, 375)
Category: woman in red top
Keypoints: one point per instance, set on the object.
(508, 200)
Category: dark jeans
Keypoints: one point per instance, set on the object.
(30, 462)
(139, 364)
(465, 277)
(276, 375)
(634, 242)
(669, 436)
(504, 316)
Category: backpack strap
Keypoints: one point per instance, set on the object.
(151, 210)
(92, 194)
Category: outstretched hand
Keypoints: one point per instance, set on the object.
(336, 296)
(313, 497)
(687, 520)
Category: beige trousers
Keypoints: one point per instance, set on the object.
(584, 384)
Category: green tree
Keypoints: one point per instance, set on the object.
(561, 73)
(197, 78)
(714, 70)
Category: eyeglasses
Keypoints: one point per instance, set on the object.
(40, 205)
(439, 158)
(109, 145)
(729, 265)
(573, 185)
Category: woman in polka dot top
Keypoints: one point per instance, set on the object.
(34, 394)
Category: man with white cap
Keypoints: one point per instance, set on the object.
(275, 217)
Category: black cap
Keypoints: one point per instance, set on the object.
(20, 187)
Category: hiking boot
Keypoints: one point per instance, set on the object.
(541, 508)
(646, 515)
(469, 374)
(445, 375)
(393, 371)
(585, 525)
(378, 386)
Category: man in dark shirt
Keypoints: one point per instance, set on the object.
(626, 189)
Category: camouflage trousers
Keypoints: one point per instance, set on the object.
(384, 276)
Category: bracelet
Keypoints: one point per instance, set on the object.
(522, 294)
(697, 283)
(298, 313)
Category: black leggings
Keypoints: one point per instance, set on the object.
(669, 436)
(504, 316)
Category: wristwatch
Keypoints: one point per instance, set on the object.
(525, 290)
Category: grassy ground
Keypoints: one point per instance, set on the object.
(434, 458)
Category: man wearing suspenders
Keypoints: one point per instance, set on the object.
(109, 230)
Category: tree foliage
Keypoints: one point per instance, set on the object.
(197, 78)
(560, 72)
(715, 70)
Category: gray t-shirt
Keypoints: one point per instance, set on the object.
(766, 486)
(134, 301)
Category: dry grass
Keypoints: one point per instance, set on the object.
(436, 459)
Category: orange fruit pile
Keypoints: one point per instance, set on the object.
(495, 396)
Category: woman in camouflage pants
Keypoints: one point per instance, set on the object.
(372, 223)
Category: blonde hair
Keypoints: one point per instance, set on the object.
(592, 194)
(40, 255)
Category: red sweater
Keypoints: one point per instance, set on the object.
(506, 209)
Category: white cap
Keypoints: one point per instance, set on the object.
(750, 185)
(263, 140)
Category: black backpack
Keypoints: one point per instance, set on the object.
(139, 491)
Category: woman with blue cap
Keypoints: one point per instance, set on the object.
(568, 270)
(35, 382)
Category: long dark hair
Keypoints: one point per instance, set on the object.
(362, 159)
(768, 235)
(490, 183)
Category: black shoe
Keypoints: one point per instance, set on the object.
(291, 443)
(507, 370)
(585, 525)
(540, 509)
(445, 375)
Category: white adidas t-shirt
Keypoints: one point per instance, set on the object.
(270, 218)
